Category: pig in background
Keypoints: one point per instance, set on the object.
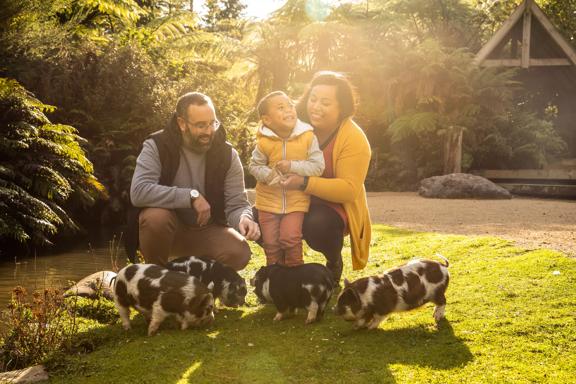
(229, 286)
(367, 301)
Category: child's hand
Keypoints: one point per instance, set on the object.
(274, 177)
(283, 166)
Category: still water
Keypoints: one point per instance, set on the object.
(55, 270)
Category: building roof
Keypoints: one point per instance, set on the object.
(527, 39)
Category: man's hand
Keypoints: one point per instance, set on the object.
(283, 166)
(202, 208)
(248, 228)
(292, 181)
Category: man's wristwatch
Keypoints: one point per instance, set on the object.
(194, 194)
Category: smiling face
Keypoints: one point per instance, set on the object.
(280, 115)
(198, 127)
(323, 108)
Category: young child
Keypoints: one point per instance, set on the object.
(284, 145)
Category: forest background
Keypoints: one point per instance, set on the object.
(83, 82)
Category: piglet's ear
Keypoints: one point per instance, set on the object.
(210, 286)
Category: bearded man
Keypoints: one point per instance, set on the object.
(189, 187)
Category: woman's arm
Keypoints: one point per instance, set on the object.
(351, 170)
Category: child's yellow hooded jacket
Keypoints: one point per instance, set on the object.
(306, 160)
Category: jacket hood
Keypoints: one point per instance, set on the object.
(299, 129)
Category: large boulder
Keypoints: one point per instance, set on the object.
(98, 283)
(461, 186)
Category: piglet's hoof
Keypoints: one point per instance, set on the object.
(278, 317)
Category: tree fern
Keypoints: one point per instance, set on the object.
(42, 169)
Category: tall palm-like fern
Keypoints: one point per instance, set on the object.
(42, 168)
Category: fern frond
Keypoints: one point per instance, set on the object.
(413, 123)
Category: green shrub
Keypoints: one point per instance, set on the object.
(37, 328)
(100, 309)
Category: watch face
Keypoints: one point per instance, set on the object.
(194, 194)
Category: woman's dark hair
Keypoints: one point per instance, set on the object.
(344, 94)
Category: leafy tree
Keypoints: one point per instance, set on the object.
(516, 140)
(224, 16)
(43, 170)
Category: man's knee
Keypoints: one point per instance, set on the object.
(157, 220)
(236, 255)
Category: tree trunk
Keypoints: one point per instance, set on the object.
(453, 151)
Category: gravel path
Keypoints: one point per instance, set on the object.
(530, 222)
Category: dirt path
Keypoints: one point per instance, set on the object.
(530, 222)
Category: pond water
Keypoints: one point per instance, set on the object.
(55, 270)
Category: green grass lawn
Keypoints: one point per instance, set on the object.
(510, 319)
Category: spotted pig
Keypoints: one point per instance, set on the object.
(304, 286)
(157, 293)
(367, 301)
(229, 286)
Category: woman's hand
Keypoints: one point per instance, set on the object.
(292, 181)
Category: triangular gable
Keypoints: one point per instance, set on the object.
(519, 29)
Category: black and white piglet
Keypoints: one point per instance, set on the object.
(306, 286)
(157, 293)
(367, 301)
(229, 286)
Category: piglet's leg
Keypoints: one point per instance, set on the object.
(158, 317)
(124, 316)
(312, 312)
(283, 310)
(361, 322)
(440, 301)
(439, 311)
(376, 320)
(183, 322)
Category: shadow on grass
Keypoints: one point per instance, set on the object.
(260, 351)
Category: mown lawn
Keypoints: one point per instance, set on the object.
(511, 318)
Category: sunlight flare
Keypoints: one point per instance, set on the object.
(186, 376)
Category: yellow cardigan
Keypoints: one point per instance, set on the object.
(351, 158)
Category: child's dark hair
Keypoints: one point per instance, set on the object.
(262, 107)
(344, 94)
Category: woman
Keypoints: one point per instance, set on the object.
(338, 205)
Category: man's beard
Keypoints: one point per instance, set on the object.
(193, 142)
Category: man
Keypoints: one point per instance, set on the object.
(189, 183)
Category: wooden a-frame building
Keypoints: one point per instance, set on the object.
(547, 62)
(527, 39)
